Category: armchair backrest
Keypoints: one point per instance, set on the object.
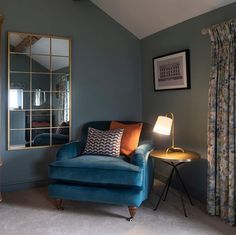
(146, 134)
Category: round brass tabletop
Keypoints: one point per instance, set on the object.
(186, 156)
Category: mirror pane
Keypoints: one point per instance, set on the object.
(60, 64)
(40, 99)
(18, 120)
(20, 81)
(20, 43)
(40, 119)
(19, 63)
(41, 63)
(17, 139)
(40, 45)
(60, 82)
(60, 117)
(19, 99)
(41, 81)
(60, 100)
(60, 135)
(41, 137)
(60, 47)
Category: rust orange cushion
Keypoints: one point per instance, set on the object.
(130, 138)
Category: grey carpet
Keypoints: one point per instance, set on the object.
(31, 212)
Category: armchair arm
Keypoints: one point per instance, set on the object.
(142, 160)
(70, 150)
(141, 154)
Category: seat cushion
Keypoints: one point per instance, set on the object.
(97, 170)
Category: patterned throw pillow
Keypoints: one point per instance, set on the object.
(103, 142)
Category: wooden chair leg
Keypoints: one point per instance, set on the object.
(132, 212)
(59, 204)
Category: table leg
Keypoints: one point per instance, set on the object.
(182, 183)
(181, 194)
(163, 191)
(169, 183)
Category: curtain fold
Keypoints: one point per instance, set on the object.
(1, 22)
(222, 123)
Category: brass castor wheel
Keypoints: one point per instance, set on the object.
(130, 219)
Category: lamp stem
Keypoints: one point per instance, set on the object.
(173, 132)
(172, 129)
(173, 148)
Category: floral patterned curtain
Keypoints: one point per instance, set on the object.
(1, 22)
(222, 123)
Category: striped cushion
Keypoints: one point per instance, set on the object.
(103, 142)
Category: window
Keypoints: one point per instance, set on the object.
(16, 99)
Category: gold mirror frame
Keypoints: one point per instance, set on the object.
(44, 111)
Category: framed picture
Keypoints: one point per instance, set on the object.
(172, 71)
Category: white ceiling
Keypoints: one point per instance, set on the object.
(145, 17)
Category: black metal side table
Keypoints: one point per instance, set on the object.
(174, 159)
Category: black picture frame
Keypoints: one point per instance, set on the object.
(172, 71)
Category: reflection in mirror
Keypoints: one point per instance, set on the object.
(41, 46)
(41, 137)
(19, 99)
(19, 63)
(40, 99)
(60, 64)
(17, 140)
(20, 81)
(41, 81)
(17, 120)
(60, 100)
(60, 47)
(61, 82)
(61, 134)
(20, 43)
(39, 90)
(60, 118)
(61, 96)
(40, 119)
(41, 63)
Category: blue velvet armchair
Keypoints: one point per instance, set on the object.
(96, 178)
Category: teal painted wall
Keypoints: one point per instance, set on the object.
(189, 106)
(106, 74)
(106, 80)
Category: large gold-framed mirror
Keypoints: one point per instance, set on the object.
(39, 90)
